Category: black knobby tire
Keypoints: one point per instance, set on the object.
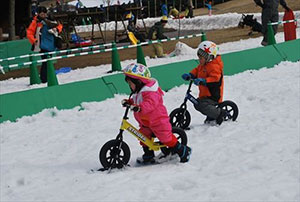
(114, 154)
(180, 117)
(181, 137)
(231, 109)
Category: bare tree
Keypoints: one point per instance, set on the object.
(11, 19)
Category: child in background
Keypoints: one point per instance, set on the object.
(209, 7)
(150, 112)
(208, 75)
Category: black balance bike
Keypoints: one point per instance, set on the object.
(116, 153)
(180, 117)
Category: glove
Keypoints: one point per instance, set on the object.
(200, 81)
(186, 76)
(135, 108)
(126, 102)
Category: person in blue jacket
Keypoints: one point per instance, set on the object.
(209, 7)
(42, 33)
(164, 10)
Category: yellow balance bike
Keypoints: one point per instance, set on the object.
(116, 154)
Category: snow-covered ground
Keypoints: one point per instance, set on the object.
(47, 156)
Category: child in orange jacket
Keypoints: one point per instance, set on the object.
(208, 75)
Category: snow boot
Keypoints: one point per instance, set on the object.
(147, 158)
(208, 120)
(161, 158)
(221, 117)
(183, 152)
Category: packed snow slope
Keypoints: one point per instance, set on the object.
(47, 157)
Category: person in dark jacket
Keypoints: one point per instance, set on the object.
(189, 7)
(157, 32)
(41, 34)
(269, 14)
(131, 27)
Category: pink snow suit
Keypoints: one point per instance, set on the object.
(153, 117)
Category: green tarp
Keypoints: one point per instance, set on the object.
(66, 96)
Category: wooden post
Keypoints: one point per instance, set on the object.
(116, 23)
(155, 14)
(92, 19)
(11, 19)
(1, 34)
(148, 8)
(100, 29)
(179, 5)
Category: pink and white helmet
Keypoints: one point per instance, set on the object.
(208, 49)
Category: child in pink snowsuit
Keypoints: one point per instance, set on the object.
(150, 112)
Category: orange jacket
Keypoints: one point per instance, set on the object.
(213, 73)
(32, 29)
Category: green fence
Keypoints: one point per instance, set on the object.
(19, 59)
(13, 48)
(67, 96)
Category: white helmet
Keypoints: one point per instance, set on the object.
(208, 49)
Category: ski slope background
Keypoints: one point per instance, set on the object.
(200, 23)
(47, 156)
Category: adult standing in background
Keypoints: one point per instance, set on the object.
(157, 32)
(41, 34)
(190, 7)
(269, 14)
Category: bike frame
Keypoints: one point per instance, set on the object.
(189, 96)
(125, 125)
